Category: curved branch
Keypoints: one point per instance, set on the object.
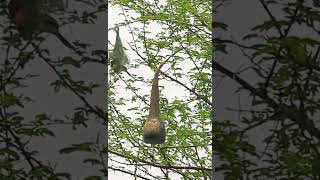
(163, 166)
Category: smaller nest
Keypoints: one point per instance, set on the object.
(154, 131)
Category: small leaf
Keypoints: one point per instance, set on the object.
(69, 60)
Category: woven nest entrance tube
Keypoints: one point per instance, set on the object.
(154, 131)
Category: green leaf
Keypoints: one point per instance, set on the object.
(69, 60)
(84, 147)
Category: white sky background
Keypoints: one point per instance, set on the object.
(170, 90)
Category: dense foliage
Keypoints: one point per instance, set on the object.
(184, 35)
(283, 53)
